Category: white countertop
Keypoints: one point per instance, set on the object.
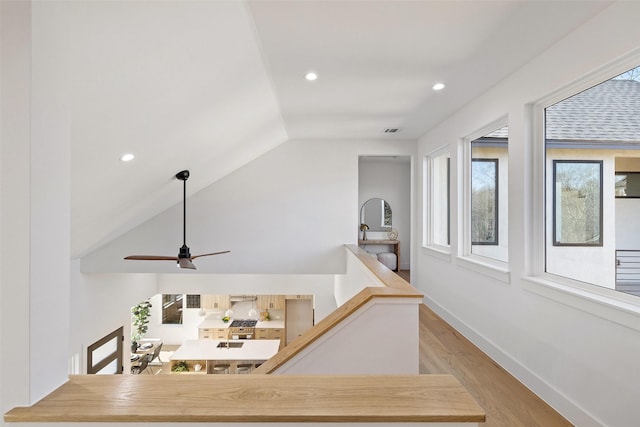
(270, 324)
(208, 350)
(213, 324)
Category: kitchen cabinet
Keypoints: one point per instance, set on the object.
(299, 297)
(207, 354)
(270, 302)
(205, 333)
(262, 333)
(216, 302)
(277, 334)
(213, 333)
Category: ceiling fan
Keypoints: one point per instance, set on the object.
(184, 258)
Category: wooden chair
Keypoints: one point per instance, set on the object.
(155, 355)
(142, 365)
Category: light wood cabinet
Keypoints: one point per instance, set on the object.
(215, 302)
(299, 297)
(277, 334)
(270, 302)
(213, 333)
(205, 334)
(262, 333)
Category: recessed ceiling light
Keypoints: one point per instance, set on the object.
(438, 86)
(311, 76)
(127, 157)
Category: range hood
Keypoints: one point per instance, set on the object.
(240, 298)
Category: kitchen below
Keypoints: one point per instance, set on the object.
(219, 334)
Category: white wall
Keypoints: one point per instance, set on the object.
(101, 303)
(628, 226)
(15, 42)
(390, 180)
(368, 342)
(567, 348)
(356, 279)
(35, 192)
(288, 212)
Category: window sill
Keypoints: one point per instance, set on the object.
(582, 296)
(443, 253)
(495, 269)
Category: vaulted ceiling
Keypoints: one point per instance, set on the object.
(212, 85)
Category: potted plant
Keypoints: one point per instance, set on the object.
(140, 318)
(180, 366)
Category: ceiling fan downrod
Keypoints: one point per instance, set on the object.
(184, 250)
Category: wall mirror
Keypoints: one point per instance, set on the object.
(376, 213)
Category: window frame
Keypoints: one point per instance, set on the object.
(496, 203)
(554, 207)
(429, 210)
(492, 267)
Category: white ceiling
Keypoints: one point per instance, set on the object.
(210, 85)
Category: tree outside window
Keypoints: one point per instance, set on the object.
(577, 201)
(484, 201)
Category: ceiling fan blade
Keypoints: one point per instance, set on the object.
(184, 258)
(186, 263)
(213, 253)
(151, 258)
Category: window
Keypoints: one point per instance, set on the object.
(438, 227)
(592, 182)
(484, 201)
(628, 184)
(193, 301)
(577, 202)
(486, 212)
(172, 309)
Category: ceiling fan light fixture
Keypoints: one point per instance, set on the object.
(186, 263)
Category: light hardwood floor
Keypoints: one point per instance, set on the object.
(507, 403)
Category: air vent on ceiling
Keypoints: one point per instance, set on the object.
(391, 130)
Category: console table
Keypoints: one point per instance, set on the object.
(395, 245)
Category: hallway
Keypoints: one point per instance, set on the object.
(507, 402)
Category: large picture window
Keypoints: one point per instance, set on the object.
(577, 207)
(592, 184)
(484, 201)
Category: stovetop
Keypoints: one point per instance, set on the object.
(244, 323)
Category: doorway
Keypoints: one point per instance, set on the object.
(388, 178)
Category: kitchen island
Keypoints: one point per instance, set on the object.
(203, 356)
